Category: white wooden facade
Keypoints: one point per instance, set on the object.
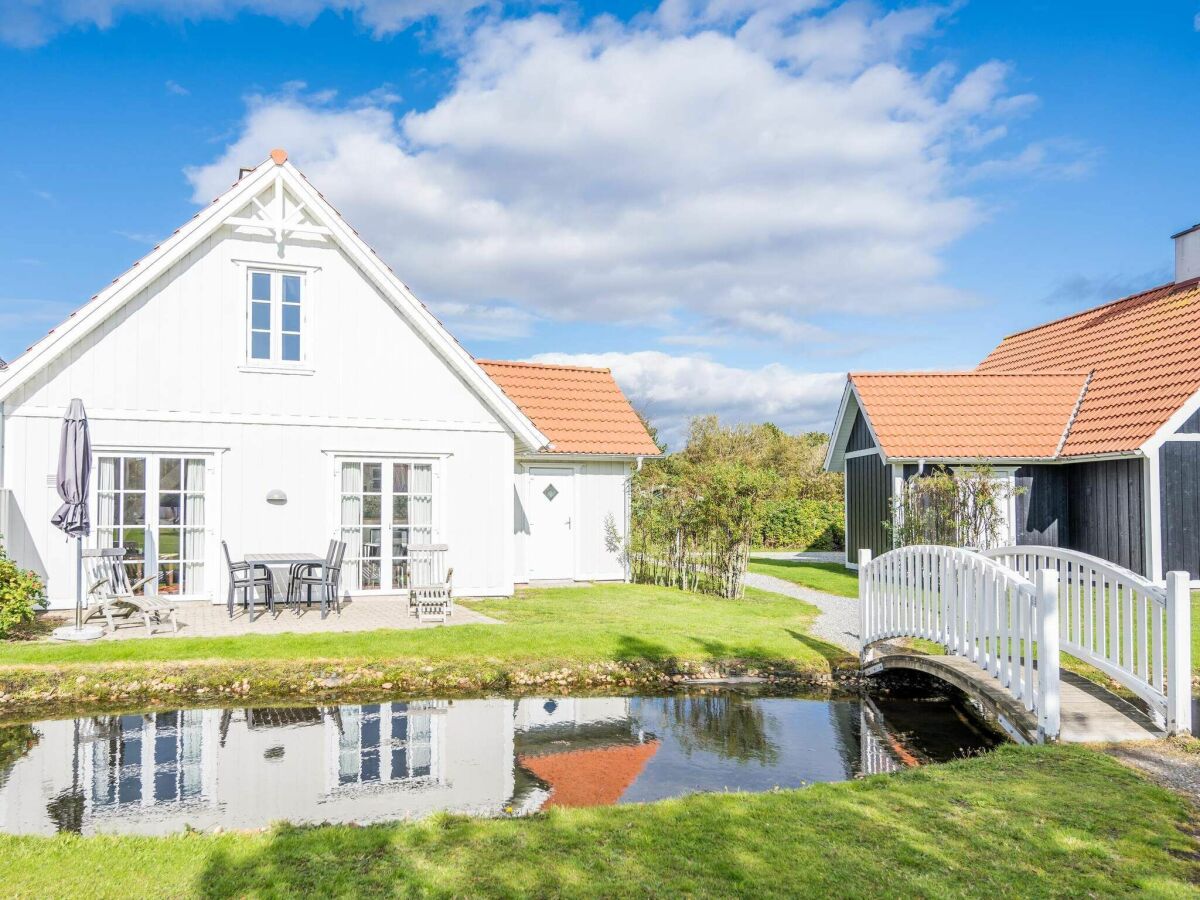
(379, 407)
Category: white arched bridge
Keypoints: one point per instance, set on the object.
(1002, 618)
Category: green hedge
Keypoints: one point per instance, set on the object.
(804, 525)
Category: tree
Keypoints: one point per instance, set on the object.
(958, 508)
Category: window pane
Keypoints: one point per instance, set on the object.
(400, 478)
(291, 288)
(170, 475)
(169, 509)
(170, 582)
(291, 347)
(260, 286)
(400, 510)
(291, 318)
(260, 316)
(372, 478)
(135, 474)
(260, 345)
(168, 543)
(399, 542)
(422, 479)
(134, 507)
(372, 509)
(371, 538)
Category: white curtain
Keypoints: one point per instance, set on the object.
(106, 501)
(351, 520)
(193, 520)
(420, 505)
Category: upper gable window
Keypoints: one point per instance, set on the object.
(277, 302)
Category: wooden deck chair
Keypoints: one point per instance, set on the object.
(113, 597)
(430, 596)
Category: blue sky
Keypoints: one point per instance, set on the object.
(731, 204)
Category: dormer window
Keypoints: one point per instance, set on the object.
(276, 318)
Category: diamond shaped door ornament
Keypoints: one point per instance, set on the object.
(551, 492)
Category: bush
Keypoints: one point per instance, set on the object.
(21, 593)
(804, 525)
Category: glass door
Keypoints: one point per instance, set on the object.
(384, 508)
(154, 507)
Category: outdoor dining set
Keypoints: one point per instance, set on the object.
(307, 577)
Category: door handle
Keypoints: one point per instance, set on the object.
(568, 523)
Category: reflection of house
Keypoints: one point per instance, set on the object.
(157, 772)
(588, 752)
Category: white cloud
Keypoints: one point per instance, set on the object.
(31, 23)
(670, 390)
(174, 87)
(743, 176)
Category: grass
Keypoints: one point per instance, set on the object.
(1195, 633)
(564, 635)
(1021, 822)
(830, 577)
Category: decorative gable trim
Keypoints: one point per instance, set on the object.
(315, 218)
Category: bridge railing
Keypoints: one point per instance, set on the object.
(1136, 632)
(976, 608)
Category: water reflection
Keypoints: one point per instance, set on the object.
(244, 768)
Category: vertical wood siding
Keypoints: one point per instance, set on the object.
(1179, 477)
(1107, 511)
(860, 435)
(1191, 426)
(1042, 506)
(868, 505)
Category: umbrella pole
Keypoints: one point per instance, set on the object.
(78, 583)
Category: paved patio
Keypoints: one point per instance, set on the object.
(199, 619)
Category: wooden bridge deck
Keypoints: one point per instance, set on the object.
(1090, 713)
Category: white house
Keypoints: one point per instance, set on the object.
(263, 378)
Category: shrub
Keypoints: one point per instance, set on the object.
(804, 525)
(21, 593)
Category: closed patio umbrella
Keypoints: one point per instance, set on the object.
(74, 475)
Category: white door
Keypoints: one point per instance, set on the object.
(550, 511)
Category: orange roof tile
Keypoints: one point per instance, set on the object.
(1145, 351)
(580, 409)
(590, 777)
(968, 415)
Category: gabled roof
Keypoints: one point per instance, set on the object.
(1144, 350)
(966, 415)
(581, 410)
(275, 170)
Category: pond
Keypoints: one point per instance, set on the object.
(160, 772)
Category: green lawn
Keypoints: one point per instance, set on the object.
(1021, 822)
(573, 630)
(832, 578)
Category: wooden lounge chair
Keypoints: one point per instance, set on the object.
(430, 596)
(112, 597)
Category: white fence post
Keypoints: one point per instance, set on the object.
(1047, 653)
(1179, 654)
(864, 600)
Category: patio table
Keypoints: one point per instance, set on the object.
(278, 560)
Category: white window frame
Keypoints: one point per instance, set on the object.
(213, 571)
(387, 525)
(309, 277)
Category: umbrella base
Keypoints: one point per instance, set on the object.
(71, 633)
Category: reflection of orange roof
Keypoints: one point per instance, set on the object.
(581, 410)
(590, 777)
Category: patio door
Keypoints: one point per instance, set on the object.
(383, 507)
(551, 512)
(154, 507)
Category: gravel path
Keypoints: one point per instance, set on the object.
(838, 622)
(1173, 763)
